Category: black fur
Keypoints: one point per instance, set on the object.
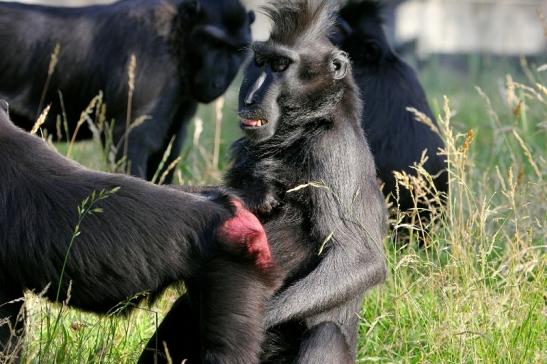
(146, 238)
(187, 51)
(306, 166)
(388, 87)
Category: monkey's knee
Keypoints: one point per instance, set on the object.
(324, 343)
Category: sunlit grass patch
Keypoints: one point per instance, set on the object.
(477, 292)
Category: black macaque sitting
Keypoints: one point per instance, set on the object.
(388, 87)
(143, 238)
(187, 51)
(306, 166)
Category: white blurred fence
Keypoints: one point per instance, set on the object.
(508, 27)
(512, 27)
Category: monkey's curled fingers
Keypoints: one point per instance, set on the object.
(244, 230)
(264, 205)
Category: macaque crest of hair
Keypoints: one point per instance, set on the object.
(300, 20)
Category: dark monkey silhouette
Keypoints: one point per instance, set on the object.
(187, 52)
(146, 238)
(305, 165)
(388, 87)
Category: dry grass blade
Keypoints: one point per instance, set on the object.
(52, 64)
(310, 184)
(131, 70)
(530, 92)
(489, 105)
(83, 118)
(171, 167)
(167, 354)
(542, 88)
(135, 124)
(467, 142)
(324, 243)
(164, 159)
(41, 120)
(528, 154)
(219, 105)
(197, 132)
(423, 118)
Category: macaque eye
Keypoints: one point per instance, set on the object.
(279, 64)
(217, 43)
(259, 61)
(372, 51)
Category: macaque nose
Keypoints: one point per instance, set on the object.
(252, 95)
(250, 100)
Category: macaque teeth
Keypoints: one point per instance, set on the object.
(254, 123)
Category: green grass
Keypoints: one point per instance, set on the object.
(477, 294)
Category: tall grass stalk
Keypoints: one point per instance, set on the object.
(131, 70)
(84, 116)
(219, 105)
(86, 208)
(51, 69)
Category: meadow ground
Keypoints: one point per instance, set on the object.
(477, 293)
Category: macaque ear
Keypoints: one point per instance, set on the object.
(344, 26)
(342, 31)
(340, 65)
(191, 8)
(252, 17)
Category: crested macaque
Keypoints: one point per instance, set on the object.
(305, 166)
